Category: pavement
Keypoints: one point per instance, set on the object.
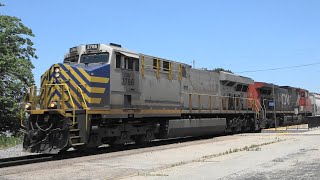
(243, 156)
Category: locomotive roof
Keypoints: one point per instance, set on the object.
(121, 49)
(226, 76)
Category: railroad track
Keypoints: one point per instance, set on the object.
(15, 161)
(22, 160)
(37, 158)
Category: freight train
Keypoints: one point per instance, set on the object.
(106, 94)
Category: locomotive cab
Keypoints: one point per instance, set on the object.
(67, 91)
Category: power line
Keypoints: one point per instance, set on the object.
(274, 69)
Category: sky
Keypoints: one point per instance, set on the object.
(244, 35)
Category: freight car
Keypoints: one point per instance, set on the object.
(105, 94)
(315, 103)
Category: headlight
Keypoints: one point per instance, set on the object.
(53, 105)
(56, 70)
(57, 75)
(27, 106)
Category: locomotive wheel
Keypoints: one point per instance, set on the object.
(140, 140)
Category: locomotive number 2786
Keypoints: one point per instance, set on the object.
(127, 81)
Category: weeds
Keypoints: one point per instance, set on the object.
(253, 147)
(149, 174)
(6, 142)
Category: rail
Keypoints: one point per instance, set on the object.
(15, 161)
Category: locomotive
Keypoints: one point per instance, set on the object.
(106, 94)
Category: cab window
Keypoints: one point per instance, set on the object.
(184, 71)
(154, 63)
(125, 62)
(118, 61)
(165, 66)
(95, 58)
(72, 59)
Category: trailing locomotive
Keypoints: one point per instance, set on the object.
(105, 94)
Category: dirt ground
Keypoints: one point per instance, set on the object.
(243, 156)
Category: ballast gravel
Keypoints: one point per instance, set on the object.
(14, 151)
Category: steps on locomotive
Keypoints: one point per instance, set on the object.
(74, 130)
(75, 137)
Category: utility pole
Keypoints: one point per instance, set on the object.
(194, 63)
(274, 108)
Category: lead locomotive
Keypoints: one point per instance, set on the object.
(105, 94)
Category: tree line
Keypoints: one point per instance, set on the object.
(16, 52)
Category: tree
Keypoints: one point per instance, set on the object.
(221, 69)
(16, 52)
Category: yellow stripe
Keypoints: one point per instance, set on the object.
(53, 88)
(96, 90)
(88, 88)
(87, 98)
(93, 78)
(73, 95)
(57, 98)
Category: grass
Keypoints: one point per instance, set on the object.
(253, 147)
(6, 142)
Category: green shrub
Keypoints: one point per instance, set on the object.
(6, 142)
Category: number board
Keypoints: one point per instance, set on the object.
(92, 46)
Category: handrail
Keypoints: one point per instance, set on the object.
(82, 96)
(255, 105)
(72, 103)
(32, 95)
(180, 72)
(170, 71)
(32, 92)
(86, 106)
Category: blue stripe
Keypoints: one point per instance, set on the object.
(82, 77)
(91, 84)
(95, 95)
(59, 95)
(73, 88)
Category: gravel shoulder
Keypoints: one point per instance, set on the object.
(14, 151)
(262, 156)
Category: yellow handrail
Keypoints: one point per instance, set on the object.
(86, 106)
(255, 106)
(82, 96)
(170, 71)
(32, 92)
(32, 98)
(73, 106)
(180, 72)
(70, 98)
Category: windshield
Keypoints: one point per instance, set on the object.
(71, 59)
(95, 58)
